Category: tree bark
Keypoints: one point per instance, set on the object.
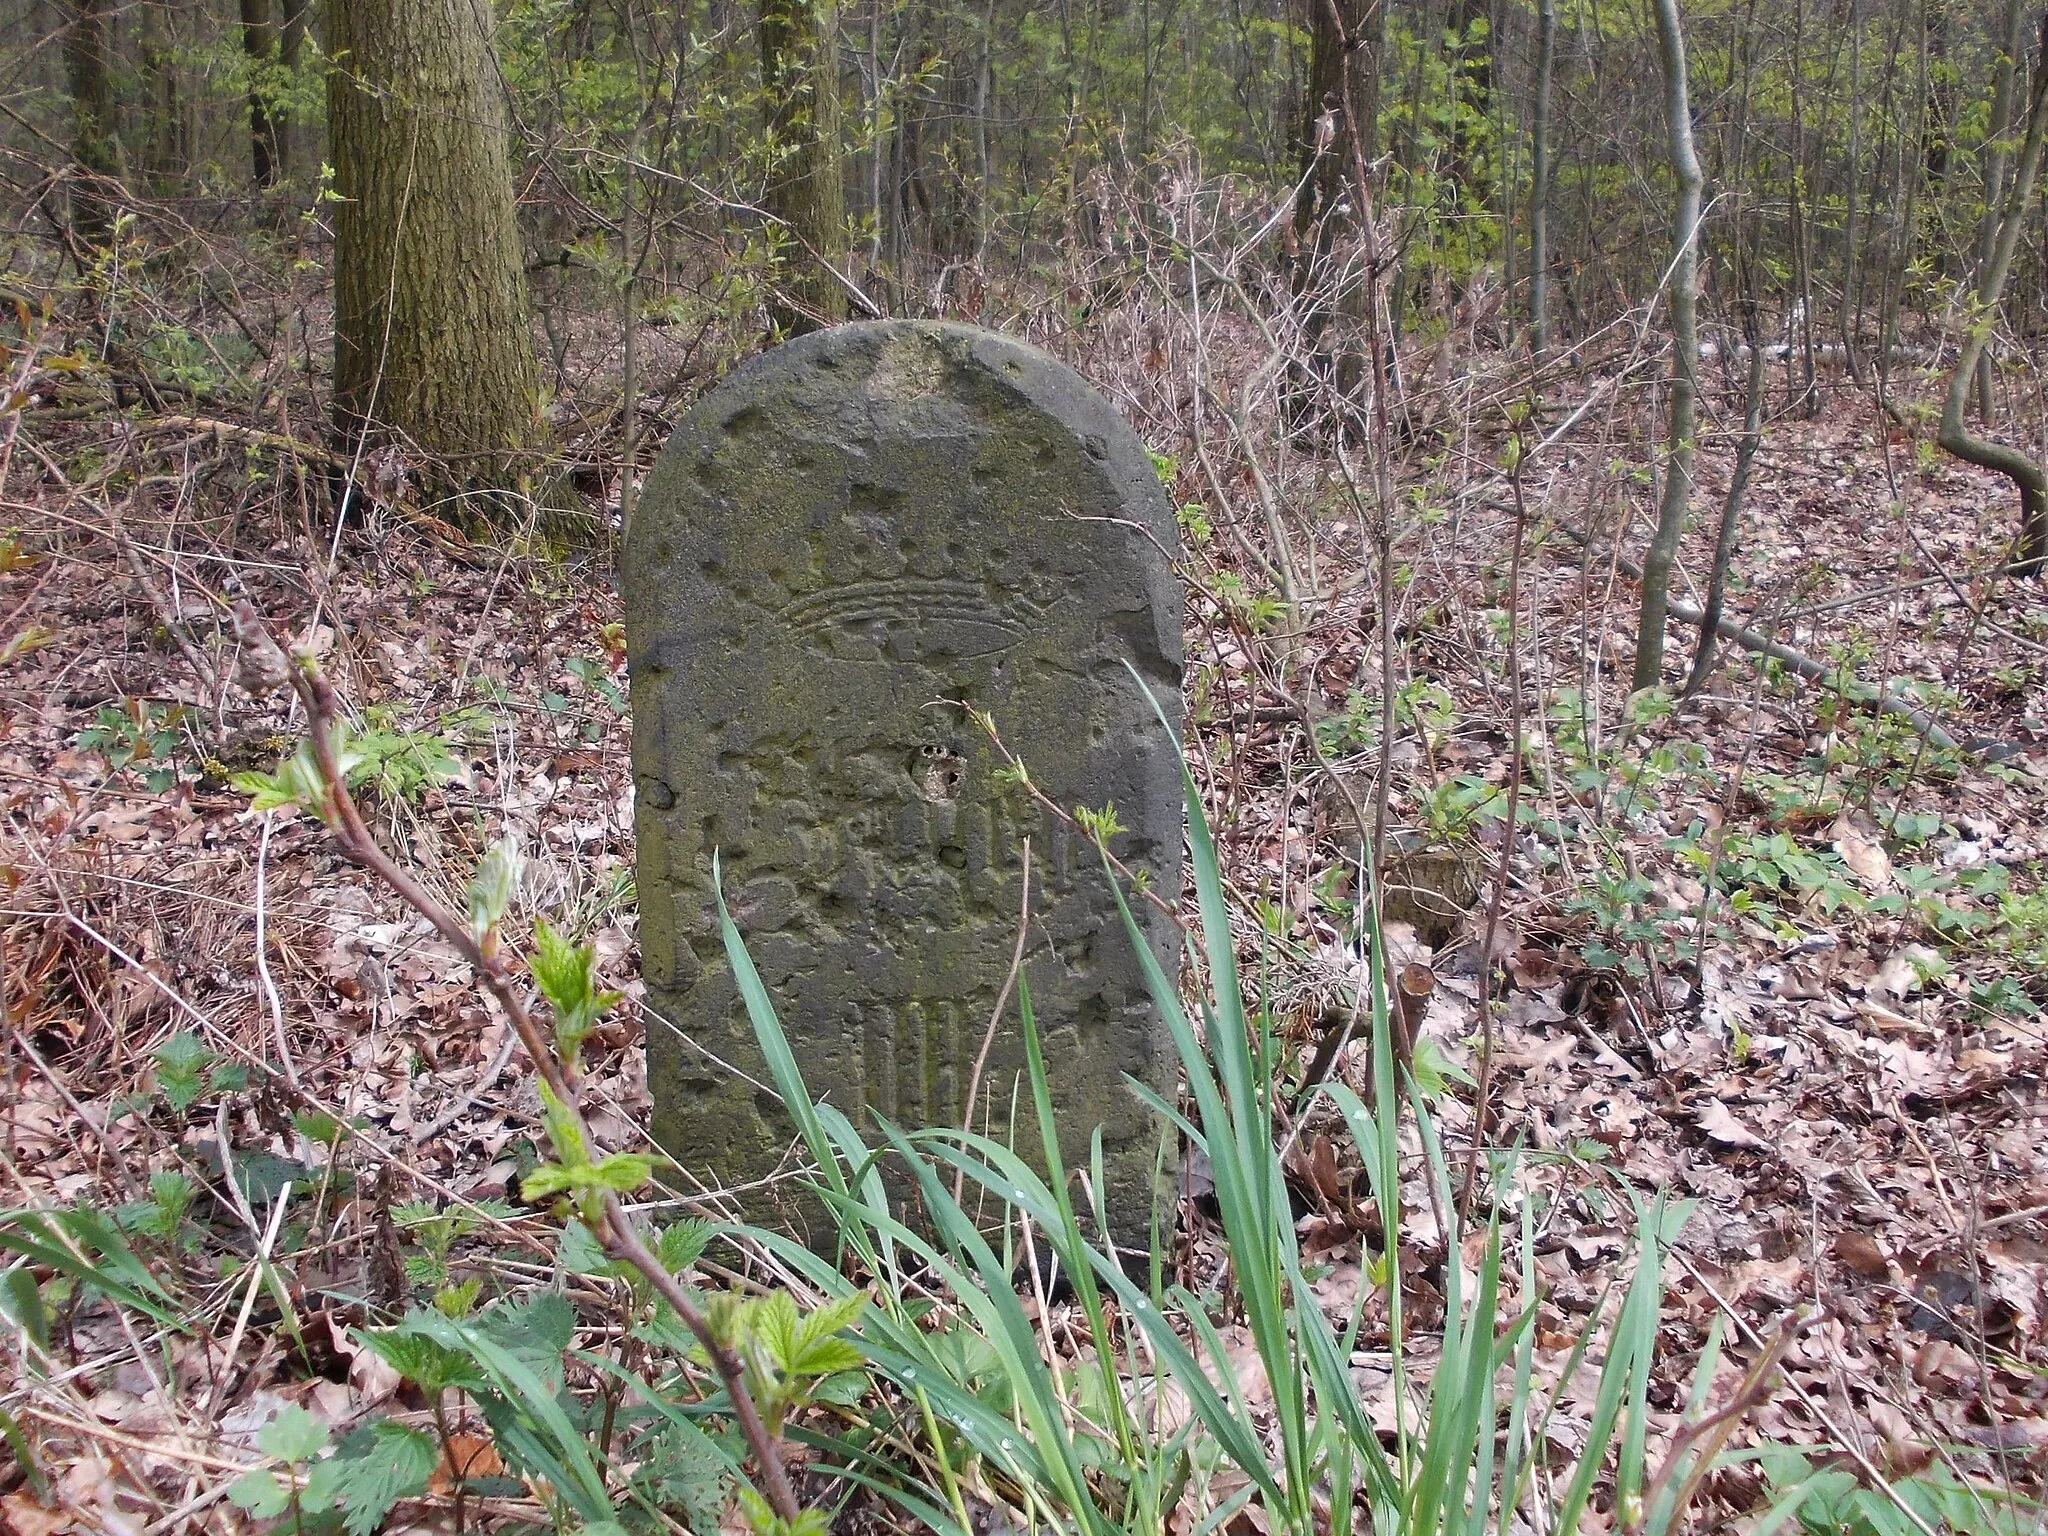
(1344, 93)
(1539, 184)
(1852, 262)
(2016, 466)
(95, 140)
(1336, 133)
(806, 194)
(431, 332)
(291, 40)
(1731, 506)
(259, 42)
(1995, 155)
(1685, 353)
(160, 145)
(1905, 223)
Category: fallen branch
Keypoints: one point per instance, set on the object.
(1756, 641)
(224, 431)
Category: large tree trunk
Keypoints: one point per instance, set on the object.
(806, 193)
(162, 141)
(1335, 136)
(1341, 107)
(431, 335)
(1685, 353)
(95, 141)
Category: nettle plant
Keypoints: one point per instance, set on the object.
(155, 740)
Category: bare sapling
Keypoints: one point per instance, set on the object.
(1731, 509)
(2031, 556)
(1685, 354)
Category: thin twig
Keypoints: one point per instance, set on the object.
(1066, 818)
(277, 1030)
(995, 1017)
(477, 1090)
(621, 1237)
(1714, 1429)
(1482, 1092)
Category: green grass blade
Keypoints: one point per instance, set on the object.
(1007, 1329)
(86, 1245)
(1082, 1275)
(782, 1067)
(1000, 1170)
(1634, 1333)
(1245, 1197)
(537, 1427)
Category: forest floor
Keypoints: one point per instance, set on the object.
(1765, 951)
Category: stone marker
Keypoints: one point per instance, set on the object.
(845, 540)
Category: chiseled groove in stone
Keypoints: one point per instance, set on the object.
(844, 541)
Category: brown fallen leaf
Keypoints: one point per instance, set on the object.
(1720, 1124)
(1863, 1254)
(1862, 852)
(25, 1517)
(1905, 1452)
(466, 1456)
(2029, 1435)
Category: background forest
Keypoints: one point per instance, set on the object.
(1608, 447)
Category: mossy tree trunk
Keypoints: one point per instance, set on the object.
(432, 345)
(95, 139)
(806, 190)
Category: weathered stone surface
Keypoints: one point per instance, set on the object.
(844, 542)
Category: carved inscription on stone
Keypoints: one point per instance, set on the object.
(848, 543)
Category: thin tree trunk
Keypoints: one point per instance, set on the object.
(259, 43)
(1802, 234)
(629, 306)
(1145, 81)
(1907, 187)
(2016, 466)
(431, 326)
(291, 40)
(1871, 238)
(1731, 506)
(2011, 39)
(1539, 185)
(807, 196)
(1852, 265)
(984, 164)
(877, 204)
(95, 140)
(1685, 353)
(1509, 232)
